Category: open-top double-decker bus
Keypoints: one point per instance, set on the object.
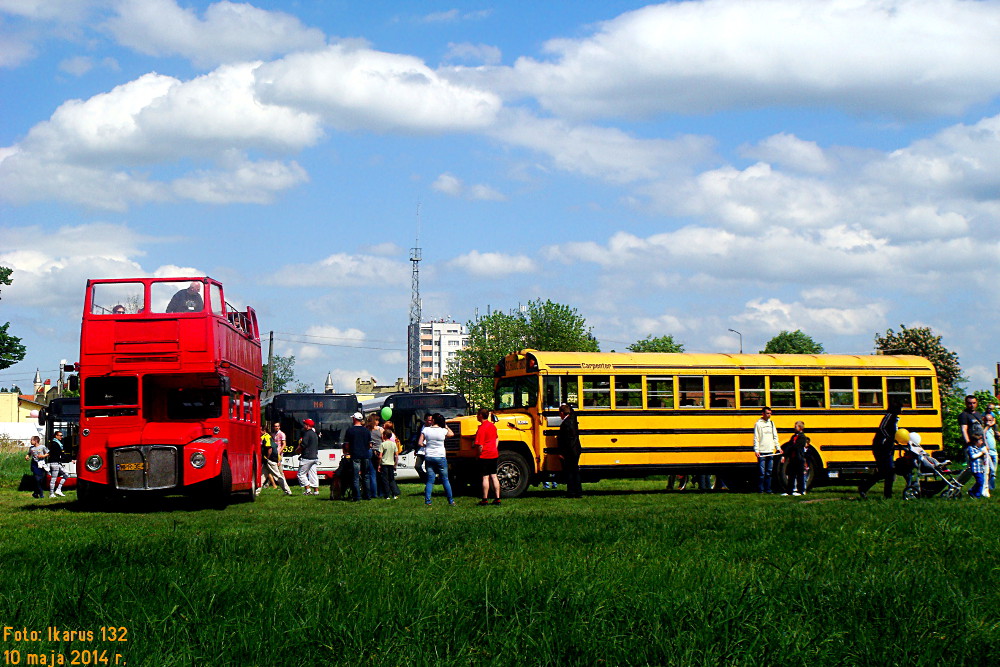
(170, 382)
(660, 414)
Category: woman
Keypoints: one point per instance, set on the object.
(376, 445)
(37, 454)
(431, 445)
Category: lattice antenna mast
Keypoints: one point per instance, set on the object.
(413, 331)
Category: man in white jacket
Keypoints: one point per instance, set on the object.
(765, 448)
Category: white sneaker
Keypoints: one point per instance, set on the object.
(60, 493)
(795, 493)
(785, 494)
(51, 495)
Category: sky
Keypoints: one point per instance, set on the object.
(684, 168)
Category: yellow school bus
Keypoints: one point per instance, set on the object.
(643, 414)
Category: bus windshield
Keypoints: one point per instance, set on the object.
(331, 414)
(518, 392)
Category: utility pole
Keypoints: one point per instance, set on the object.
(269, 384)
(413, 330)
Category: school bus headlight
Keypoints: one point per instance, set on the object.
(94, 463)
(198, 459)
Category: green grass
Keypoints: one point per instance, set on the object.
(627, 575)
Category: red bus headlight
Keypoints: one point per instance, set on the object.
(94, 463)
(198, 459)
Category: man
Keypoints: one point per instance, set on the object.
(884, 449)
(37, 455)
(766, 449)
(272, 461)
(308, 451)
(568, 440)
(357, 444)
(187, 300)
(970, 422)
(487, 441)
(57, 471)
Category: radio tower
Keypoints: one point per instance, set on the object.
(413, 331)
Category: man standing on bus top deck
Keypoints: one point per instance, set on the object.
(57, 469)
(884, 449)
(187, 300)
(568, 440)
(357, 442)
(308, 451)
(765, 448)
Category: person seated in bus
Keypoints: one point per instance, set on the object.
(187, 300)
(118, 310)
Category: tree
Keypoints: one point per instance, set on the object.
(284, 372)
(11, 349)
(792, 342)
(541, 325)
(922, 342)
(658, 344)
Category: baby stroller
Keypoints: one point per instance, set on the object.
(925, 476)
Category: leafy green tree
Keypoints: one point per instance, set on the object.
(11, 349)
(922, 342)
(284, 372)
(792, 342)
(658, 344)
(541, 325)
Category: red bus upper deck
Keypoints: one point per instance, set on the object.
(170, 383)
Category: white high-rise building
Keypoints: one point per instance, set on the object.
(439, 341)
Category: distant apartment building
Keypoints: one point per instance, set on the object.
(439, 341)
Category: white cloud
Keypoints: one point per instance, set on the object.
(493, 264)
(355, 87)
(468, 52)
(787, 150)
(598, 152)
(385, 249)
(228, 32)
(776, 315)
(450, 184)
(48, 10)
(95, 151)
(344, 269)
(703, 56)
(454, 15)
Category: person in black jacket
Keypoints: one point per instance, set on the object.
(57, 465)
(569, 451)
(883, 449)
(793, 454)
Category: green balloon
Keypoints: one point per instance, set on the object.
(387, 413)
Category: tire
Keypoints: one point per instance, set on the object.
(911, 493)
(254, 481)
(223, 491)
(513, 473)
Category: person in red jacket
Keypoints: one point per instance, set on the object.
(486, 443)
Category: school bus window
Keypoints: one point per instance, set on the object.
(516, 392)
(659, 392)
(628, 392)
(692, 392)
(558, 390)
(811, 392)
(924, 392)
(841, 391)
(752, 391)
(596, 391)
(870, 392)
(783, 391)
(721, 391)
(898, 389)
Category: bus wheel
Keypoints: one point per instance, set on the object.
(88, 494)
(254, 481)
(223, 484)
(513, 473)
(816, 474)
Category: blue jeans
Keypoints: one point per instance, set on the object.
(360, 478)
(765, 465)
(436, 466)
(977, 489)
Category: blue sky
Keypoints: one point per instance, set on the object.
(684, 168)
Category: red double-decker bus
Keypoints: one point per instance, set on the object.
(170, 387)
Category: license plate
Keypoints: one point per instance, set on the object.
(132, 466)
(833, 474)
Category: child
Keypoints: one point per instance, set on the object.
(387, 466)
(794, 457)
(977, 453)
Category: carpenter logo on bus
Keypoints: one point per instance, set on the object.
(597, 367)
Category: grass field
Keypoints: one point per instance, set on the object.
(628, 575)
